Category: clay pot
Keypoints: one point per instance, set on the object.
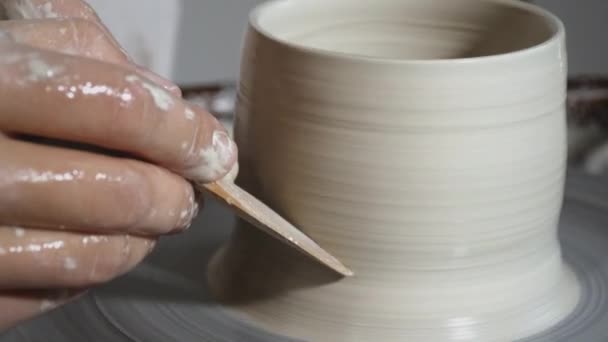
(421, 142)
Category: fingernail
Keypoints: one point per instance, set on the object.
(195, 211)
(161, 81)
(56, 298)
(186, 217)
(225, 149)
(150, 244)
(215, 160)
(138, 251)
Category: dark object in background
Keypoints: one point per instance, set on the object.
(587, 106)
(588, 100)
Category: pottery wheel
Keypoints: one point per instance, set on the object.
(165, 299)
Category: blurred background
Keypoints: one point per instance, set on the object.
(188, 41)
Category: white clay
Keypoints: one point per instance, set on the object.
(70, 263)
(162, 98)
(19, 232)
(40, 70)
(213, 158)
(51, 303)
(94, 239)
(47, 305)
(26, 9)
(34, 247)
(189, 113)
(422, 143)
(47, 11)
(34, 176)
(22, 9)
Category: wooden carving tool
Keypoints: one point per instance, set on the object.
(261, 216)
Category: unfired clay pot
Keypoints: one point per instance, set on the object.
(421, 142)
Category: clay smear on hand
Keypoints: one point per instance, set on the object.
(162, 98)
(27, 9)
(214, 160)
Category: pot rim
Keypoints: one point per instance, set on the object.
(555, 23)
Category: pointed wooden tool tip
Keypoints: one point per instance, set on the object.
(261, 216)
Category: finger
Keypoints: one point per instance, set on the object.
(56, 9)
(79, 37)
(53, 9)
(57, 188)
(71, 36)
(35, 259)
(18, 306)
(78, 9)
(115, 108)
(44, 9)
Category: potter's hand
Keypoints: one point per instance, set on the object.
(71, 218)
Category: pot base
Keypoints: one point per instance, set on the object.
(289, 295)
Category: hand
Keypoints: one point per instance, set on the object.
(92, 153)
